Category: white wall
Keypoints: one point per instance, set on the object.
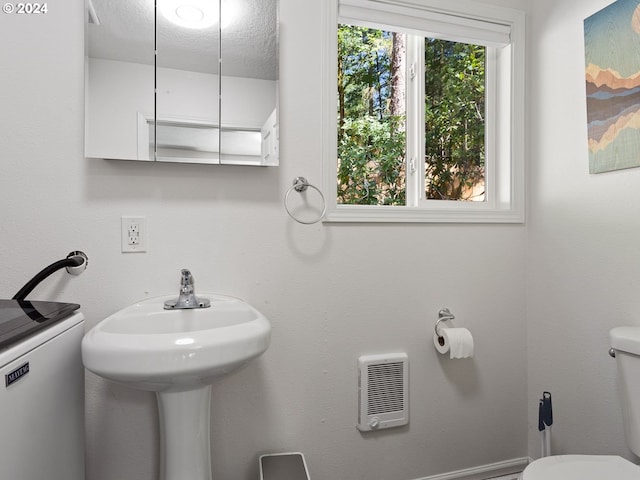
(582, 245)
(119, 91)
(332, 292)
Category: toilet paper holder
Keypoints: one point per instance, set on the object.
(443, 315)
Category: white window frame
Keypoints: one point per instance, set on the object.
(503, 31)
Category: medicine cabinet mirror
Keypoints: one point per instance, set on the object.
(159, 89)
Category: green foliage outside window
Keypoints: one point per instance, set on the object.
(371, 139)
(454, 120)
(371, 118)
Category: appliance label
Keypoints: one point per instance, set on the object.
(14, 375)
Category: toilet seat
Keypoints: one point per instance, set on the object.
(581, 467)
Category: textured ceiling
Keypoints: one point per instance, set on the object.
(249, 44)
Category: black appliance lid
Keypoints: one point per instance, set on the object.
(22, 318)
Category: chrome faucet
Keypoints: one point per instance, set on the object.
(187, 296)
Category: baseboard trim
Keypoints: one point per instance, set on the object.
(484, 472)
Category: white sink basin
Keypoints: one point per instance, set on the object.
(147, 347)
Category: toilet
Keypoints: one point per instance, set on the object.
(625, 344)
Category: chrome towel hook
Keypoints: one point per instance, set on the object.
(300, 184)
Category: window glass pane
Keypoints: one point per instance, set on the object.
(371, 116)
(454, 121)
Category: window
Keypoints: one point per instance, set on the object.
(424, 112)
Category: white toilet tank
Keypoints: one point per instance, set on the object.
(626, 343)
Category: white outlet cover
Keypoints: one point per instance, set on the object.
(138, 227)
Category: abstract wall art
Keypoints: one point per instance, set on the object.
(612, 68)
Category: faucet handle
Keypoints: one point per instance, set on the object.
(186, 295)
(187, 278)
(186, 282)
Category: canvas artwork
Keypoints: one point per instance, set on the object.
(612, 60)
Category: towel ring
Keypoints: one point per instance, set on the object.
(300, 184)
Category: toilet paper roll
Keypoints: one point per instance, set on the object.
(457, 341)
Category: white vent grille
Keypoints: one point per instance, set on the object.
(383, 389)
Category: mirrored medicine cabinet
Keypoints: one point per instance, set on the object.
(159, 89)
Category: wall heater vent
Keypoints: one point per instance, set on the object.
(383, 391)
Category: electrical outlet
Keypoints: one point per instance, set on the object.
(134, 234)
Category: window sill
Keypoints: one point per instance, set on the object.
(477, 213)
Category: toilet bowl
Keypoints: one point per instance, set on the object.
(625, 347)
(581, 467)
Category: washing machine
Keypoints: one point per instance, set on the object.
(41, 391)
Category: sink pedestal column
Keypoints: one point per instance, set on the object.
(185, 452)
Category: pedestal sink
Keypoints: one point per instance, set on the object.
(177, 354)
